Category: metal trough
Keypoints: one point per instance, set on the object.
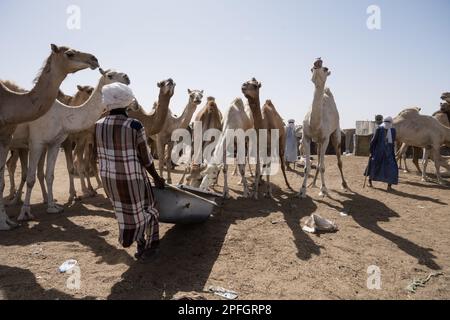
(181, 207)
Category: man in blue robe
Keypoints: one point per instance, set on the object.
(382, 165)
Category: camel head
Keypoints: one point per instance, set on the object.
(69, 60)
(445, 107)
(111, 76)
(82, 95)
(446, 96)
(250, 89)
(194, 179)
(269, 103)
(167, 87)
(195, 96)
(319, 73)
(210, 175)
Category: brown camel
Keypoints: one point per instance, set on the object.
(268, 119)
(16, 108)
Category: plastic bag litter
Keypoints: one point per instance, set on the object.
(316, 223)
(224, 293)
(67, 265)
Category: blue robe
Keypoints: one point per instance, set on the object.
(291, 150)
(382, 165)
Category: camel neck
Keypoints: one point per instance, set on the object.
(46, 89)
(316, 112)
(255, 107)
(187, 114)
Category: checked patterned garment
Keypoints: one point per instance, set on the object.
(124, 156)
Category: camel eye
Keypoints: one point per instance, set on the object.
(70, 54)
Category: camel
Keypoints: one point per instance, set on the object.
(235, 118)
(52, 129)
(154, 122)
(424, 132)
(321, 125)
(17, 108)
(163, 138)
(268, 119)
(79, 98)
(443, 116)
(210, 118)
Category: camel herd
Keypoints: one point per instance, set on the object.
(35, 124)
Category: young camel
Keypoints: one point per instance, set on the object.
(235, 118)
(268, 119)
(17, 108)
(211, 118)
(21, 151)
(52, 129)
(320, 125)
(163, 138)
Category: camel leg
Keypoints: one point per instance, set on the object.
(269, 185)
(244, 180)
(323, 149)
(307, 152)
(316, 174)
(415, 160)
(425, 164)
(436, 152)
(23, 155)
(5, 222)
(249, 166)
(67, 146)
(169, 163)
(35, 155)
(52, 156)
(226, 190)
(161, 156)
(235, 171)
(336, 141)
(12, 166)
(41, 176)
(257, 170)
(87, 169)
(79, 154)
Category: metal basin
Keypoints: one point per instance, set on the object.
(181, 207)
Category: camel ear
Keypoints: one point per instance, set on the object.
(159, 84)
(80, 88)
(55, 48)
(189, 91)
(202, 92)
(102, 72)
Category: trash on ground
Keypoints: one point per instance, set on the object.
(316, 223)
(67, 265)
(188, 296)
(278, 221)
(224, 293)
(412, 287)
(343, 213)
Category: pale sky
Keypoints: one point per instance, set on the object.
(216, 45)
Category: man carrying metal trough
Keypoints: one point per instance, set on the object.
(124, 157)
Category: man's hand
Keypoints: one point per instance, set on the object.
(160, 183)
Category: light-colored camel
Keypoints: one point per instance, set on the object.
(16, 108)
(267, 119)
(154, 122)
(424, 132)
(443, 116)
(49, 131)
(82, 95)
(321, 125)
(210, 118)
(235, 118)
(163, 138)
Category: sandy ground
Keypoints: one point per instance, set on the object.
(256, 248)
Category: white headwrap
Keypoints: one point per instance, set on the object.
(387, 124)
(117, 95)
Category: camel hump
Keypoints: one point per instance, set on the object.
(238, 102)
(12, 86)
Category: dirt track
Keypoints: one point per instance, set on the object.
(256, 248)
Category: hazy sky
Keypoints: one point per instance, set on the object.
(216, 45)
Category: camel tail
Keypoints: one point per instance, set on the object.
(283, 168)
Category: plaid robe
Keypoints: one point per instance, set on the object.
(123, 156)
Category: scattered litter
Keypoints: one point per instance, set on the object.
(412, 287)
(343, 213)
(316, 223)
(224, 293)
(420, 207)
(188, 296)
(278, 221)
(67, 265)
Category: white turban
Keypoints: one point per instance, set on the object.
(117, 95)
(387, 124)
